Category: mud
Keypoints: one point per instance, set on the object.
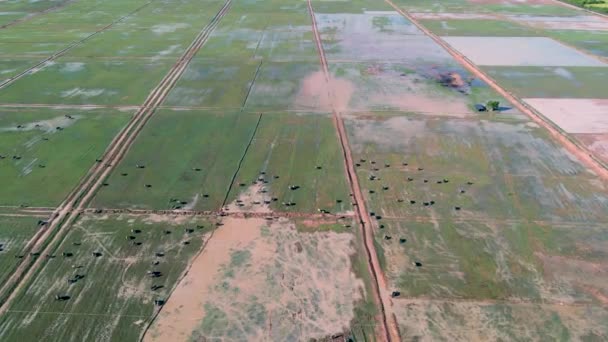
(323, 94)
(596, 143)
(263, 281)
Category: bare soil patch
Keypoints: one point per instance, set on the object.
(596, 143)
(257, 280)
(575, 115)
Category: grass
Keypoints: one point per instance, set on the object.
(171, 146)
(489, 249)
(15, 232)
(483, 27)
(595, 42)
(290, 147)
(47, 170)
(87, 82)
(600, 6)
(551, 82)
(114, 299)
(216, 84)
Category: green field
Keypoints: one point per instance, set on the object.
(41, 163)
(79, 81)
(288, 148)
(113, 300)
(484, 27)
(502, 221)
(552, 82)
(190, 140)
(171, 147)
(595, 42)
(15, 232)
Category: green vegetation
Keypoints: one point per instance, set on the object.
(15, 232)
(113, 298)
(44, 153)
(478, 27)
(552, 82)
(188, 156)
(595, 42)
(288, 148)
(594, 5)
(85, 82)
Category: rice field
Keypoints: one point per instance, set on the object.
(327, 170)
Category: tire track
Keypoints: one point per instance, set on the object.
(389, 329)
(72, 45)
(48, 238)
(33, 15)
(568, 142)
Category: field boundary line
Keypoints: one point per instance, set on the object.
(70, 46)
(572, 145)
(255, 77)
(74, 204)
(389, 330)
(238, 168)
(33, 15)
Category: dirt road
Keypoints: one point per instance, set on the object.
(388, 328)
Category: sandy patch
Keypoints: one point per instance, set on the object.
(575, 115)
(324, 94)
(519, 51)
(260, 281)
(597, 143)
(255, 199)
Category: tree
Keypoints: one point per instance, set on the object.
(493, 105)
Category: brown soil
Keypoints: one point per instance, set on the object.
(327, 94)
(255, 281)
(184, 310)
(596, 143)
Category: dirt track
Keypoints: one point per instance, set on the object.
(75, 203)
(583, 154)
(389, 330)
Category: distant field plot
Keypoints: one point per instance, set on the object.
(44, 153)
(284, 37)
(294, 150)
(579, 22)
(281, 86)
(15, 232)
(188, 156)
(574, 115)
(354, 6)
(257, 273)
(519, 51)
(529, 8)
(478, 27)
(515, 170)
(87, 82)
(444, 89)
(552, 82)
(469, 321)
(110, 295)
(595, 42)
(213, 84)
(376, 36)
(122, 40)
